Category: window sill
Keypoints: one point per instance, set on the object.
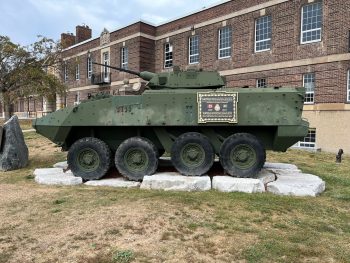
(311, 42)
(224, 58)
(261, 51)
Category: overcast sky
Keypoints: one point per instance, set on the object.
(24, 20)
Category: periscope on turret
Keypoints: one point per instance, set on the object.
(189, 114)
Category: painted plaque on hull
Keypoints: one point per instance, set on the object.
(218, 107)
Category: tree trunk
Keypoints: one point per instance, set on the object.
(7, 107)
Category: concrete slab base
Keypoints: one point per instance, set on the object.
(232, 184)
(56, 176)
(63, 165)
(114, 182)
(266, 176)
(173, 181)
(276, 178)
(297, 185)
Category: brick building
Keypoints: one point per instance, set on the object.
(251, 42)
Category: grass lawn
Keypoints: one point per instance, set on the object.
(83, 224)
(26, 124)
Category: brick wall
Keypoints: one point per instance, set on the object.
(286, 24)
(147, 54)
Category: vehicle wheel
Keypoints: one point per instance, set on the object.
(192, 154)
(89, 158)
(242, 155)
(136, 157)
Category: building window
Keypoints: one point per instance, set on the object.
(225, 42)
(168, 55)
(348, 85)
(261, 83)
(311, 23)
(194, 50)
(309, 85)
(65, 72)
(309, 141)
(89, 67)
(263, 34)
(124, 58)
(105, 56)
(77, 72)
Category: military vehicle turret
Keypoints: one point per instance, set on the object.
(189, 114)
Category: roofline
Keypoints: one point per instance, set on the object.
(117, 29)
(151, 24)
(194, 12)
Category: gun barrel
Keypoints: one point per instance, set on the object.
(119, 69)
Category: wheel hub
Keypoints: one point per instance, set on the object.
(243, 156)
(136, 160)
(192, 155)
(88, 160)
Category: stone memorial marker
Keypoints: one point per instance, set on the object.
(13, 150)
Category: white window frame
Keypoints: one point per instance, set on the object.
(267, 39)
(259, 86)
(77, 72)
(308, 145)
(165, 55)
(310, 30)
(124, 55)
(310, 92)
(194, 55)
(105, 62)
(89, 67)
(348, 86)
(65, 72)
(226, 48)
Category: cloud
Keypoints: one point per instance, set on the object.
(52, 17)
(154, 19)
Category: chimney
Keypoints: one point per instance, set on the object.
(67, 40)
(82, 33)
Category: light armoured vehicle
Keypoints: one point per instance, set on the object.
(189, 114)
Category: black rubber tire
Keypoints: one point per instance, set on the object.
(255, 148)
(103, 153)
(147, 148)
(197, 140)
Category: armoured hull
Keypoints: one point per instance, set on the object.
(189, 114)
(271, 114)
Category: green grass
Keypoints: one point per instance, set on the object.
(24, 123)
(125, 225)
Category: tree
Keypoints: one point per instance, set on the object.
(23, 71)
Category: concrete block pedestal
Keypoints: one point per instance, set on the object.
(175, 182)
(56, 176)
(276, 178)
